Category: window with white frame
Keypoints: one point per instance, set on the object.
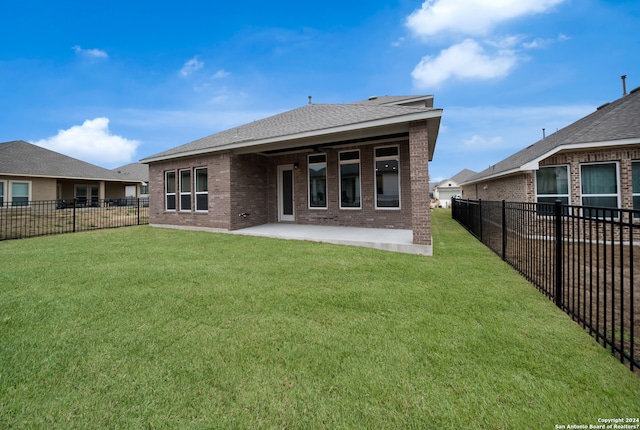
(349, 162)
(20, 193)
(635, 186)
(202, 189)
(387, 168)
(185, 190)
(170, 190)
(2, 191)
(318, 181)
(599, 186)
(552, 183)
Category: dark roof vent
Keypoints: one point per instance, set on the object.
(601, 106)
(373, 97)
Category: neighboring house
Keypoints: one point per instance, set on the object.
(594, 162)
(445, 190)
(361, 164)
(29, 173)
(135, 172)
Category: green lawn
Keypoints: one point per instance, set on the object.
(143, 327)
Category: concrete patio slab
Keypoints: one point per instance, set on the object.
(379, 238)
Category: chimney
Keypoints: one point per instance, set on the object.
(309, 99)
(624, 85)
(543, 134)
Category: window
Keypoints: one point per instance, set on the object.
(635, 188)
(144, 189)
(20, 193)
(202, 189)
(81, 194)
(387, 164)
(170, 190)
(185, 190)
(552, 183)
(599, 184)
(318, 181)
(1, 194)
(349, 179)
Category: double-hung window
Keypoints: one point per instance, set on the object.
(552, 183)
(350, 180)
(318, 181)
(599, 185)
(387, 165)
(2, 187)
(635, 186)
(20, 193)
(170, 190)
(202, 189)
(185, 190)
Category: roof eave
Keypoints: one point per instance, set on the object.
(344, 129)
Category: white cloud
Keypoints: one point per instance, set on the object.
(482, 143)
(191, 66)
(467, 60)
(220, 74)
(92, 142)
(471, 17)
(90, 53)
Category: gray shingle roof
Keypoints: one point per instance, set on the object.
(25, 159)
(615, 121)
(307, 119)
(462, 176)
(134, 171)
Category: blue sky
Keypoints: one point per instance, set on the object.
(113, 82)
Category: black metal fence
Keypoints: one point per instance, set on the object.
(41, 218)
(585, 259)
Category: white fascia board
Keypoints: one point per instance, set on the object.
(417, 116)
(535, 163)
(75, 178)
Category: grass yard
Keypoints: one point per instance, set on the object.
(143, 327)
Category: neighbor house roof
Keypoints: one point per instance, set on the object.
(312, 124)
(19, 158)
(612, 124)
(134, 171)
(462, 176)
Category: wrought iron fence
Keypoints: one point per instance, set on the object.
(586, 259)
(41, 218)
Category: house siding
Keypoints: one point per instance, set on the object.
(514, 188)
(419, 154)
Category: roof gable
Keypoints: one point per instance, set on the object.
(614, 123)
(20, 158)
(309, 121)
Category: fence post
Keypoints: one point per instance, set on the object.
(74, 215)
(480, 219)
(559, 248)
(138, 209)
(504, 229)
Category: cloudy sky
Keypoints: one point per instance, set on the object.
(113, 82)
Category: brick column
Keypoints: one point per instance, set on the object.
(420, 201)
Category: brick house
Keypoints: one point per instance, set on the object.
(31, 173)
(592, 162)
(362, 164)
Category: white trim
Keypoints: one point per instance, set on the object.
(281, 216)
(375, 177)
(200, 193)
(433, 113)
(181, 193)
(76, 178)
(534, 164)
(617, 195)
(167, 194)
(9, 192)
(359, 192)
(326, 191)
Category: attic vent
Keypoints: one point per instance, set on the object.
(373, 97)
(601, 106)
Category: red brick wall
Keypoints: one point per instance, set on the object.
(367, 215)
(513, 188)
(419, 172)
(249, 191)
